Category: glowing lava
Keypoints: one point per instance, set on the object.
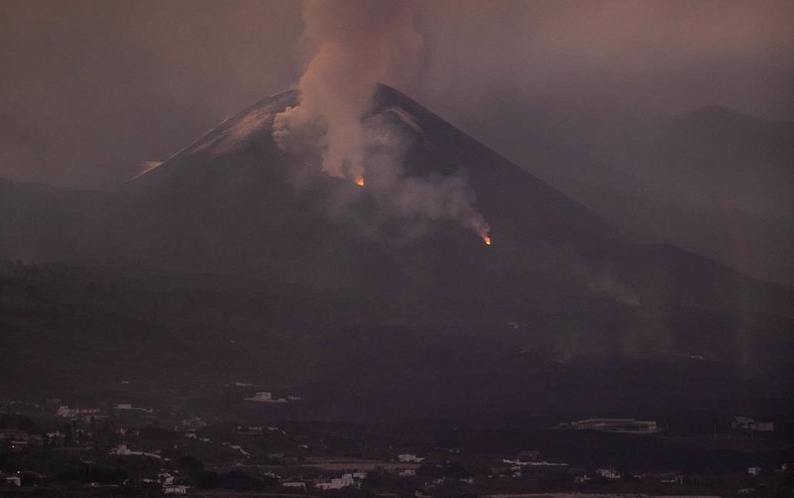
(360, 181)
(486, 238)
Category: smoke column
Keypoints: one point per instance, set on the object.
(360, 44)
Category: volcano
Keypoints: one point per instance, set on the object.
(233, 202)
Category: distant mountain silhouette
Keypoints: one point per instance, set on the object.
(714, 181)
(718, 157)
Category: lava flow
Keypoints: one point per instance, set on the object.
(360, 181)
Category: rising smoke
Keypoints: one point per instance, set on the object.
(358, 45)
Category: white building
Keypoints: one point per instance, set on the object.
(265, 397)
(175, 489)
(13, 481)
(165, 477)
(608, 473)
(409, 458)
(123, 450)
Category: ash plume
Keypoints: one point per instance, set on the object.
(358, 45)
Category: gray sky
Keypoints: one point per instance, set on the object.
(89, 89)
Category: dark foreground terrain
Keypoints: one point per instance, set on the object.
(116, 381)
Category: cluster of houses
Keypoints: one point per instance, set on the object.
(167, 481)
(89, 414)
(514, 467)
(408, 466)
(86, 414)
(531, 459)
(536, 462)
(259, 429)
(354, 479)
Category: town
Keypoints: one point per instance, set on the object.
(55, 447)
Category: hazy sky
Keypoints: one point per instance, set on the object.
(90, 89)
